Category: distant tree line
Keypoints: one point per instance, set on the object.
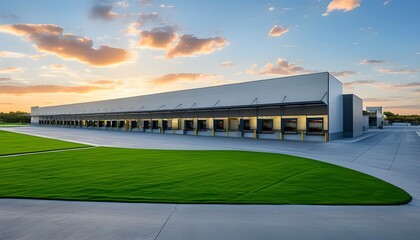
(413, 119)
(15, 117)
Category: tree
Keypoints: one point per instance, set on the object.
(15, 117)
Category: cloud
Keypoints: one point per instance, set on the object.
(21, 90)
(369, 30)
(382, 85)
(105, 82)
(146, 2)
(359, 82)
(412, 84)
(414, 106)
(122, 4)
(148, 17)
(132, 29)
(188, 45)
(252, 70)
(281, 67)
(3, 79)
(166, 6)
(343, 73)
(386, 2)
(50, 38)
(8, 54)
(371, 61)
(396, 71)
(158, 38)
(416, 90)
(12, 17)
(103, 12)
(173, 77)
(227, 64)
(277, 31)
(378, 99)
(271, 9)
(10, 69)
(57, 67)
(341, 5)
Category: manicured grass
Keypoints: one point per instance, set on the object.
(13, 143)
(136, 175)
(14, 125)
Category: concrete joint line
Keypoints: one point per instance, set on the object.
(367, 150)
(163, 226)
(395, 155)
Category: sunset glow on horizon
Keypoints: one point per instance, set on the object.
(61, 52)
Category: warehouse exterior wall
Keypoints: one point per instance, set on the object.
(305, 107)
(278, 90)
(335, 108)
(352, 115)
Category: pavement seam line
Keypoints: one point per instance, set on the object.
(368, 149)
(395, 155)
(47, 151)
(163, 226)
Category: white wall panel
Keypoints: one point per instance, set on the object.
(302, 88)
(335, 108)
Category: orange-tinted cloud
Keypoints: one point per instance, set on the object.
(173, 77)
(50, 38)
(158, 38)
(341, 5)
(282, 67)
(343, 73)
(57, 67)
(382, 85)
(414, 106)
(8, 54)
(21, 90)
(277, 31)
(378, 99)
(397, 71)
(105, 82)
(10, 69)
(359, 82)
(103, 12)
(252, 70)
(2, 79)
(188, 45)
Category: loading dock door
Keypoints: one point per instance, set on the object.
(165, 124)
(133, 124)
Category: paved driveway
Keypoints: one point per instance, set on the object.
(391, 154)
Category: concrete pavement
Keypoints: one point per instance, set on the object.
(390, 154)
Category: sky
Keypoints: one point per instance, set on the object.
(60, 52)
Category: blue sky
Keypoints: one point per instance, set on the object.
(155, 46)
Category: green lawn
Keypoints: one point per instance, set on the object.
(14, 124)
(12, 143)
(135, 175)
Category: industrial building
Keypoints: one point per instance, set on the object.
(309, 107)
(376, 117)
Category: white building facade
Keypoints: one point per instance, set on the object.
(305, 107)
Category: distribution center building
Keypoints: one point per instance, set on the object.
(304, 107)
